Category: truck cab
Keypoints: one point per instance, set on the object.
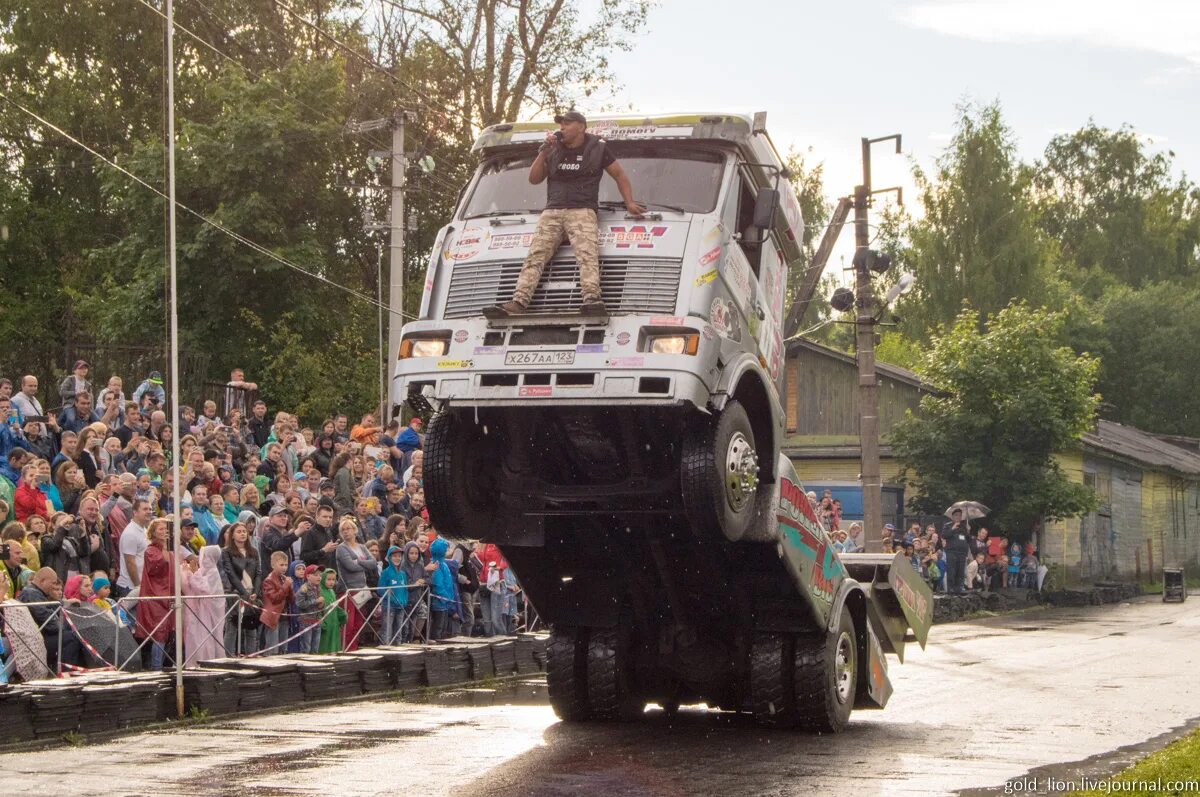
(630, 465)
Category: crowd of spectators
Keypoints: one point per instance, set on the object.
(294, 538)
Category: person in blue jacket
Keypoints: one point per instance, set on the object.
(393, 588)
(444, 603)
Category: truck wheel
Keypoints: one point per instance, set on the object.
(719, 474)
(609, 692)
(566, 673)
(826, 677)
(771, 690)
(458, 486)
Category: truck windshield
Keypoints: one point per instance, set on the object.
(688, 180)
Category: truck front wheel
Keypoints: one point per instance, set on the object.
(459, 474)
(567, 673)
(826, 669)
(719, 474)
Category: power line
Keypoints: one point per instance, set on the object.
(214, 224)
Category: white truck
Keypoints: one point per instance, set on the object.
(630, 466)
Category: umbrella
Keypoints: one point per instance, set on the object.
(25, 641)
(971, 510)
(101, 631)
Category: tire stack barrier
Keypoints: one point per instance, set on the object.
(104, 700)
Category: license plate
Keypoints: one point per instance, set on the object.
(539, 358)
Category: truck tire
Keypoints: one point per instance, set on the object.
(771, 682)
(826, 670)
(459, 500)
(566, 674)
(719, 474)
(610, 695)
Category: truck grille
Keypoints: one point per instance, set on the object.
(627, 286)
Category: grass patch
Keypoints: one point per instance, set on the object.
(1173, 771)
(1156, 587)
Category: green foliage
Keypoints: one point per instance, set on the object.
(978, 242)
(1116, 211)
(1009, 398)
(1146, 338)
(899, 350)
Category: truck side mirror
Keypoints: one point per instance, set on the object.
(765, 204)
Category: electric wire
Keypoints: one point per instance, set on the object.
(205, 219)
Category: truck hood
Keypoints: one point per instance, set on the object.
(509, 237)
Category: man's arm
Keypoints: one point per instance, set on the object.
(540, 168)
(131, 569)
(625, 187)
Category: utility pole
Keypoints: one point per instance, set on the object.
(868, 384)
(396, 252)
(396, 229)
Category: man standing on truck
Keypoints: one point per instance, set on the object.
(572, 161)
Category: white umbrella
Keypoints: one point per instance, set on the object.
(972, 510)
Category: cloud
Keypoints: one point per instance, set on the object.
(1165, 27)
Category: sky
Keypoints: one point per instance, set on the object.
(831, 73)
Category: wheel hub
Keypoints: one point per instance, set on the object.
(843, 667)
(741, 471)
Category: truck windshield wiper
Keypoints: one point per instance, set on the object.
(501, 213)
(614, 204)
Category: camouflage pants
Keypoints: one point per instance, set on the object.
(577, 225)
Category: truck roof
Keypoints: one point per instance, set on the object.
(718, 126)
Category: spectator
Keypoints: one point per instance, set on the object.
(393, 585)
(258, 426)
(67, 548)
(237, 390)
(343, 481)
(976, 575)
(353, 562)
(323, 456)
(240, 576)
(340, 435)
(112, 456)
(276, 589)
(203, 617)
(417, 576)
(45, 587)
(957, 548)
(416, 469)
(87, 455)
(366, 510)
(1029, 567)
(79, 414)
(103, 552)
(131, 546)
(30, 543)
(444, 601)
(276, 537)
(26, 401)
(319, 545)
(27, 498)
(335, 618)
(67, 441)
(854, 540)
(151, 387)
(112, 412)
(11, 435)
(366, 432)
(132, 425)
(209, 528)
(78, 382)
(114, 388)
(310, 606)
(156, 587)
(38, 440)
(18, 575)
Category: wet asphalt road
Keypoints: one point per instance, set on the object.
(986, 702)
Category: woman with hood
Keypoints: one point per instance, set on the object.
(444, 600)
(335, 619)
(323, 456)
(415, 577)
(393, 591)
(203, 617)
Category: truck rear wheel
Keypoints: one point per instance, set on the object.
(719, 474)
(771, 682)
(826, 670)
(566, 673)
(458, 475)
(610, 693)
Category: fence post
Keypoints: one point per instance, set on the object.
(238, 631)
(61, 619)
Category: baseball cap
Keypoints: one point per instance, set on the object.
(156, 378)
(326, 483)
(308, 571)
(190, 523)
(889, 527)
(416, 422)
(80, 364)
(276, 509)
(570, 116)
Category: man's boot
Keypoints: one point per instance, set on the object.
(509, 308)
(593, 307)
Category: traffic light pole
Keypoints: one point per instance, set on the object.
(868, 383)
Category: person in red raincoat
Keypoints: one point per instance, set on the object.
(154, 617)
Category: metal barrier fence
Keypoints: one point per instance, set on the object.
(69, 613)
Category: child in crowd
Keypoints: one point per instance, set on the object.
(310, 605)
(1029, 567)
(977, 572)
(932, 570)
(910, 553)
(393, 586)
(331, 626)
(1014, 565)
(276, 589)
(145, 490)
(101, 589)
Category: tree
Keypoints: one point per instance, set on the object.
(978, 241)
(1116, 211)
(1009, 397)
(511, 57)
(1145, 337)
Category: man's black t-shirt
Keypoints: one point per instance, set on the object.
(574, 174)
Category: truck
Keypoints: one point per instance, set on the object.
(630, 466)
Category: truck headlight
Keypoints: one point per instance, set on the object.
(674, 344)
(423, 347)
